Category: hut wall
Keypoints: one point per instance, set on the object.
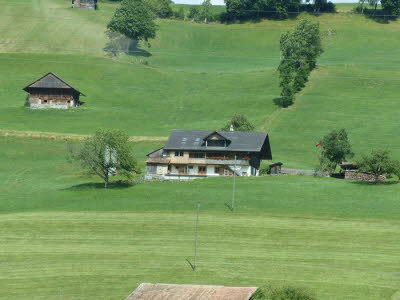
(90, 4)
(48, 98)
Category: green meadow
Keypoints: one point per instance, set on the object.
(62, 236)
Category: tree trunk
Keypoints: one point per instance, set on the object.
(106, 182)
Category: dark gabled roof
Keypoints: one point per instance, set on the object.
(149, 291)
(240, 141)
(50, 81)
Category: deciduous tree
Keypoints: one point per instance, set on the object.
(134, 19)
(162, 8)
(104, 153)
(391, 7)
(299, 50)
(336, 148)
(239, 123)
(205, 11)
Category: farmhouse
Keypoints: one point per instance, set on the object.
(51, 91)
(199, 153)
(90, 4)
(148, 291)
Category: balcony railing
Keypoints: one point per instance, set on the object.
(159, 160)
(208, 161)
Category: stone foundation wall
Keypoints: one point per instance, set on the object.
(53, 105)
(354, 175)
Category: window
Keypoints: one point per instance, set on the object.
(178, 153)
(45, 101)
(202, 169)
(190, 167)
(197, 155)
(216, 143)
(216, 170)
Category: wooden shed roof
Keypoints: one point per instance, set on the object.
(52, 81)
(149, 291)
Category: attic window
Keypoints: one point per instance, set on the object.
(216, 140)
(216, 143)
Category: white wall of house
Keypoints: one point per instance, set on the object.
(194, 170)
(242, 170)
(210, 171)
(162, 169)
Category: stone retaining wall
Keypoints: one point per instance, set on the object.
(354, 175)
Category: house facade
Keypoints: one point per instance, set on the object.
(191, 154)
(90, 4)
(50, 91)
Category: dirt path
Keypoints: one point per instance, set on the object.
(70, 136)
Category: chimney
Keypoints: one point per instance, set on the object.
(231, 128)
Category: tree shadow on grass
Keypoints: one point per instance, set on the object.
(118, 44)
(375, 183)
(117, 185)
(379, 16)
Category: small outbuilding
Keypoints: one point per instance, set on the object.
(149, 291)
(50, 91)
(89, 4)
(275, 168)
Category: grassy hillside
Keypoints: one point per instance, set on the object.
(63, 236)
(199, 75)
(40, 170)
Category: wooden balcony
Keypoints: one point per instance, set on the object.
(159, 160)
(207, 161)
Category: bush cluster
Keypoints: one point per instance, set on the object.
(283, 293)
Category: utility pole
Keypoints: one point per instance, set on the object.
(234, 186)
(196, 235)
(193, 266)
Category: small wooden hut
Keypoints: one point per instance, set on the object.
(50, 91)
(89, 4)
(149, 291)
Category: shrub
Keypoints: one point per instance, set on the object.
(283, 293)
(290, 293)
(379, 163)
(284, 101)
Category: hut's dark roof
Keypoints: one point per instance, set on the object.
(240, 141)
(148, 291)
(50, 81)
